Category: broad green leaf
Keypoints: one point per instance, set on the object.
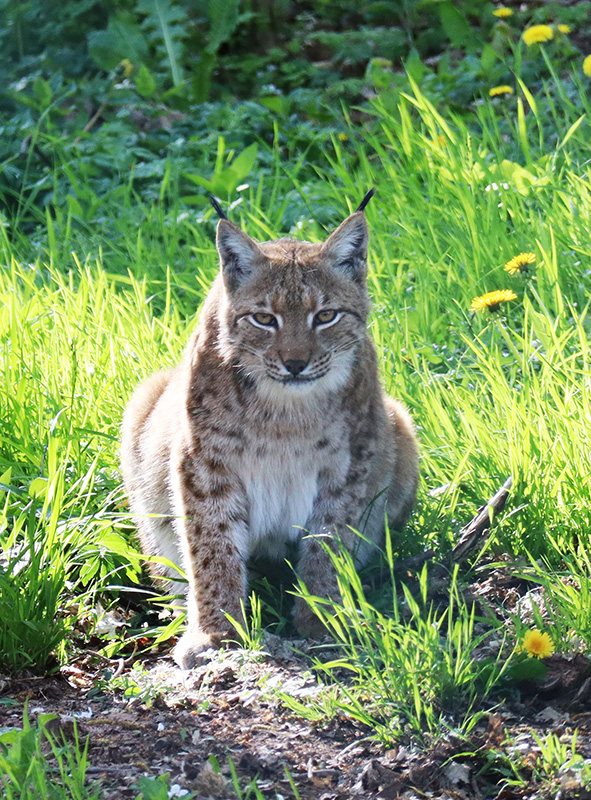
(572, 130)
(243, 163)
(122, 39)
(488, 59)
(199, 180)
(529, 97)
(274, 103)
(528, 669)
(223, 16)
(42, 91)
(522, 128)
(202, 72)
(144, 82)
(166, 22)
(38, 487)
(154, 788)
(414, 66)
(455, 25)
(74, 206)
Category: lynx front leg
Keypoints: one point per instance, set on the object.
(336, 508)
(212, 528)
(317, 572)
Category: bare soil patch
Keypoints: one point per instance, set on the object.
(160, 719)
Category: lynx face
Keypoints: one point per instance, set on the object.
(294, 312)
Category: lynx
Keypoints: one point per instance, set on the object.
(274, 428)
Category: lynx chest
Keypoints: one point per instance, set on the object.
(281, 483)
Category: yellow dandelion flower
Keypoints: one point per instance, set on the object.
(492, 300)
(502, 12)
(343, 137)
(587, 66)
(520, 263)
(537, 644)
(127, 67)
(564, 29)
(498, 90)
(537, 34)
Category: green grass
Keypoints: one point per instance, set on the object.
(35, 763)
(414, 669)
(492, 394)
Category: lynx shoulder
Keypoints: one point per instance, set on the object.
(274, 428)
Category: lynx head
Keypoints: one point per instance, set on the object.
(293, 313)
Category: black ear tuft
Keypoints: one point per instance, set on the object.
(366, 199)
(217, 207)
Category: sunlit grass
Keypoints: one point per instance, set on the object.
(412, 669)
(34, 763)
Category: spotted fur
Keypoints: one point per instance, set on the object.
(274, 428)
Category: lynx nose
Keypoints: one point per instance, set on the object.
(295, 365)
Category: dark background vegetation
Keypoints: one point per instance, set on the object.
(105, 101)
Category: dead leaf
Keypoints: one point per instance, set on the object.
(457, 773)
(495, 731)
(550, 714)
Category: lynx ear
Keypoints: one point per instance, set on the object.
(346, 248)
(239, 254)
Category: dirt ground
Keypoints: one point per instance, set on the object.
(159, 719)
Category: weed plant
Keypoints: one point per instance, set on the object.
(27, 773)
(36, 763)
(414, 668)
(564, 605)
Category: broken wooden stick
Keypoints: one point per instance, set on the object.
(473, 532)
(469, 536)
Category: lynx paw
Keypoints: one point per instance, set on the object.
(192, 644)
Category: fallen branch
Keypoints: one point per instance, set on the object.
(473, 532)
(469, 536)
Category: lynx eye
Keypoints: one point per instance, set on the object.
(325, 316)
(264, 320)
